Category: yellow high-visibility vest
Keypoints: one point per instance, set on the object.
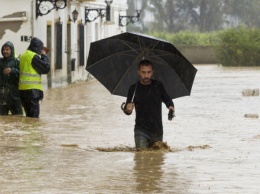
(29, 78)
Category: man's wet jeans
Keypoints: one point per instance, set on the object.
(143, 140)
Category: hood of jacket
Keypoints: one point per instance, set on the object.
(36, 45)
(11, 45)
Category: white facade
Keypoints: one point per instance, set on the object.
(18, 23)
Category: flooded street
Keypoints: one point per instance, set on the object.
(83, 142)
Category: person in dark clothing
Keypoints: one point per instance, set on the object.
(9, 79)
(146, 96)
(33, 63)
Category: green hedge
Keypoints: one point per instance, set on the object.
(239, 47)
(234, 47)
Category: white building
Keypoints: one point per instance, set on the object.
(68, 41)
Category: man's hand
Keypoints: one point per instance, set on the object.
(43, 52)
(7, 70)
(130, 107)
(127, 108)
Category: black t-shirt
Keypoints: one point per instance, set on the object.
(148, 106)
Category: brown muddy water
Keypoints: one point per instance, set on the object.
(83, 143)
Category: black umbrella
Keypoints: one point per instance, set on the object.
(114, 62)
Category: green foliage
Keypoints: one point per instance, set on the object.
(234, 47)
(239, 47)
(189, 38)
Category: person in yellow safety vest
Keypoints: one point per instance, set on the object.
(33, 63)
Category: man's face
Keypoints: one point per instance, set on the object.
(6, 51)
(145, 73)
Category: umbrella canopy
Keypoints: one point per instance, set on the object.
(114, 62)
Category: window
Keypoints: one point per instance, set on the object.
(58, 45)
(81, 45)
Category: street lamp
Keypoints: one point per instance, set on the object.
(93, 14)
(75, 14)
(125, 20)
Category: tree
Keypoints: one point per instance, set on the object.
(198, 15)
(244, 12)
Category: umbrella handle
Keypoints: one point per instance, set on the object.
(123, 106)
(124, 110)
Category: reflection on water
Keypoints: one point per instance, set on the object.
(148, 171)
(83, 143)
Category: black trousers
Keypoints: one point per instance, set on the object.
(10, 101)
(30, 101)
(32, 108)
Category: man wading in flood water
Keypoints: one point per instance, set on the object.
(33, 63)
(146, 96)
(9, 79)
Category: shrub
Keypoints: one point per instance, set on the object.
(239, 47)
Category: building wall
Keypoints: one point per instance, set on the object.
(14, 29)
